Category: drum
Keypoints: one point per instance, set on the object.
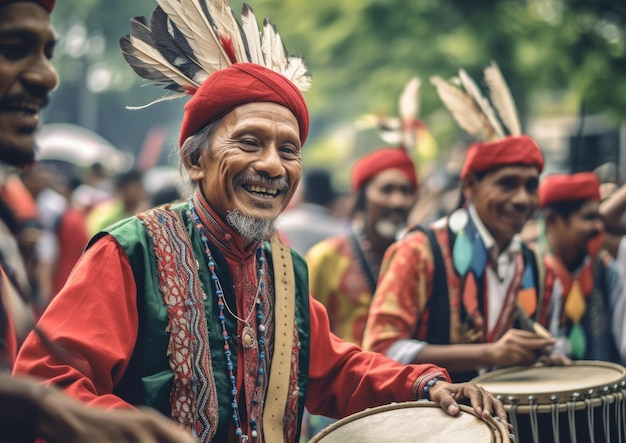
(584, 402)
(417, 421)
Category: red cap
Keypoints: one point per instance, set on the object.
(557, 188)
(237, 85)
(509, 151)
(380, 160)
(48, 5)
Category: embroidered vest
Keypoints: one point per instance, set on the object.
(149, 379)
(445, 319)
(597, 319)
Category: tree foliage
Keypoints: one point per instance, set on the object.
(556, 55)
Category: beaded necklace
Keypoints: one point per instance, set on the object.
(248, 336)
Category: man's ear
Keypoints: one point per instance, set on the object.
(194, 171)
(468, 186)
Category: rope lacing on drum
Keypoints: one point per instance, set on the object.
(590, 415)
(554, 412)
(571, 408)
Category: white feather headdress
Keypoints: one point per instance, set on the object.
(399, 131)
(188, 40)
(481, 117)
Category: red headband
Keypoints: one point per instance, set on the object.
(557, 188)
(237, 85)
(380, 160)
(48, 5)
(510, 151)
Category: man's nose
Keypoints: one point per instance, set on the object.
(270, 162)
(41, 74)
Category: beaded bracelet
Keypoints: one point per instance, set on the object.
(427, 386)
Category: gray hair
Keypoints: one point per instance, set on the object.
(190, 153)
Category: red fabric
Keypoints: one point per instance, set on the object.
(19, 199)
(72, 236)
(94, 295)
(48, 5)
(342, 379)
(557, 188)
(237, 85)
(509, 151)
(380, 160)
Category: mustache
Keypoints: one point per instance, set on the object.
(391, 211)
(42, 99)
(277, 182)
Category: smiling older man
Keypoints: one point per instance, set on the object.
(197, 310)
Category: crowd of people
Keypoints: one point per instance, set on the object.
(223, 316)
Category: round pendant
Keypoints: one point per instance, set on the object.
(248, 337)
(458, 220)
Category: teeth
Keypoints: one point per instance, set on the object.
(26, 107)
(263, 190)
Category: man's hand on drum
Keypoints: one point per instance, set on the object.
(555, 359)
(447, 395)
(519, 348)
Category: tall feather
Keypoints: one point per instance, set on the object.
(298, 72)
(409, 109)
(250, 29)
(211, 53)
(140, 46)
(464, 110)
(171, 43)
(188, 40)
(272, 46)
(225, 25)
(206, 56)
(483, 104)
(502, 99)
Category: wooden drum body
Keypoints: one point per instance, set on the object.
(418, 421)
(584, 402)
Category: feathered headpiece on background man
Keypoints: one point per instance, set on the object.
(486, 120)
(188, 40)
(399, 131)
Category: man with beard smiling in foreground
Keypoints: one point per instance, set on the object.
(583, 287)
(29, 410)
(197, 310)
(343, 270)
(449, 294)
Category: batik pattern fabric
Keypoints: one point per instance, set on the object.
(586, 309)
(116, 356)
(337, 279)
(401, 308)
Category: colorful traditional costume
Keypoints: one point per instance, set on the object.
(343, 270)
(587, 308)
(168, 309)
(449, 284)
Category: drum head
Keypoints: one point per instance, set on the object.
(546, 384)
(410, 422)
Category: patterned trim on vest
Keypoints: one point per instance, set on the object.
(194, 396)
(462, 329)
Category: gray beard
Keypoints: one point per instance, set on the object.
(389, 230)
(255, 229)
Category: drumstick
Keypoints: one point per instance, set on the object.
(529, 325)
(541, 331)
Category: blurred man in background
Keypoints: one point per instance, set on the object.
(583, 287)
(343, 270)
